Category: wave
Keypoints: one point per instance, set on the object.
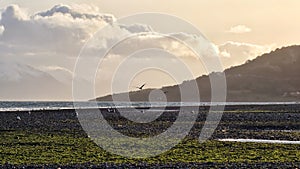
(32, 106)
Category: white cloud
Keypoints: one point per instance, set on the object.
(60, 29)
(56, 68)
(225, 54)
(76, 13)
(236, 53)
(134, 28)
(12, 13)
(239, 29)
(63, 30)
(52, 39)
(180, 45)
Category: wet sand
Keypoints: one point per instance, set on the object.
(254, 122)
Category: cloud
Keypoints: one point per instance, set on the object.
(137, 28)
(60, 29)
(67, 10)
(239, 29)
(13, 13)
(51, 40)
(225, 54)
(180, 44)
(236, 53)
(64, 30)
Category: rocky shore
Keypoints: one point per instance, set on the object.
(252, 121)
(280, 122)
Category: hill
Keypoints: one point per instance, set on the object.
(23, 82)
(268, 78)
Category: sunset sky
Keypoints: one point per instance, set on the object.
(270, 21)
(38, 34)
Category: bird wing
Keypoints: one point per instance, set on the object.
(143, 85)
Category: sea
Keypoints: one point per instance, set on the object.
(54, 105)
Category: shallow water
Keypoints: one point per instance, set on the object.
(260, 141)
(27, 106)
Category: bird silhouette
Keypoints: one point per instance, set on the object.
(141, 87)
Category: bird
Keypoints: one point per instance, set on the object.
(141, 87)
(18, 118)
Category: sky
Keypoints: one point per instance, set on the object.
(48, 36)
(213, 18)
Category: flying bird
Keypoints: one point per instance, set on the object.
(141, 87)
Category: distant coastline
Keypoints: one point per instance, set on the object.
(264, 79)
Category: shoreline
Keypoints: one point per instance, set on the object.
(238, 122)
(107, 105)
(235, 120)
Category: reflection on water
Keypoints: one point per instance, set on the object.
(261, 141)
(19, 106)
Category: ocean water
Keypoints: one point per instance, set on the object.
(27, 106)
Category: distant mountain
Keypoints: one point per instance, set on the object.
(23, 82)
(270, 77)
